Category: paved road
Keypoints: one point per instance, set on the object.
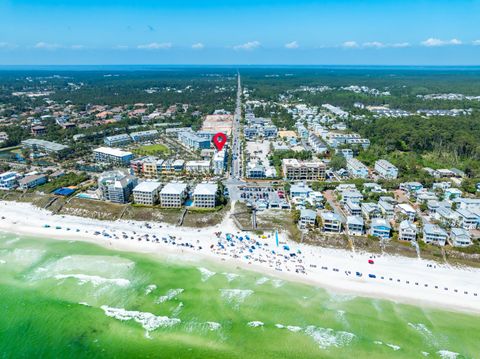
(236, 169)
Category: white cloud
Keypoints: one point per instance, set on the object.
(6, 45)
(198, 46)
(248, 46)
(476, 43)
(292, 45)
(121, 47)
(77, 47)
(433, 42)
(400, 44)
(156, 46)
(350, 44)
(375, 44)
(46, 46)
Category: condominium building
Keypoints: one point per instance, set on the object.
(144, 135)
(173, 195)
(205, 195)
(112, 155)
(386, 170)
(116, 186)
(117, 140)
(192, 140)
(46, 146)
(296, 170)
(356, 168)
(147, 193)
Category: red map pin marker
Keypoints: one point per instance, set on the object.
(219, 140)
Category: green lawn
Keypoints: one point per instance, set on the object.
(150, 150)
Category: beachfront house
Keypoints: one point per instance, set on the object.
(460, 237)
(147, 193)
(173, 195)
(307, 219)
(433, 234)
(8, 180)
(380, 228)
(466, 219)
(353, 208)
(32, 181)
(371, 210)
(355, 225)
(205, 195)
(407, 231)
(331, 222)
(352, 195)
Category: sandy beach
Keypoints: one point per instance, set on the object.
(413, 281)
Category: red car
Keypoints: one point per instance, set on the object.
(370, 261)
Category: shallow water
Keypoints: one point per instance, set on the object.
(72, 299)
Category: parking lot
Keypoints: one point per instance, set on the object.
(263, 197)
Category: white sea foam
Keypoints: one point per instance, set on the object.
(393, 346)
(176, 311)
(425, 354)
(423, 330)
(172, 293)
(21, 256)
(213, 326)
(277, 283)
(262, 280)
(94, 280)
(86, 268)
(85, 304)
(327, 337)
(231, 276)
(378, 342)
(294, 328)
(2, 261)
(340, 315)
(148, 321)
(235, 296)
(340, 298)
(255, 324)
(280, 326)
(447, 354)
(205, 273)
(150, 289)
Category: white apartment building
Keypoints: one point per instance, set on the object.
(173, 195)
(219, 162)
(386, 170)
(147, 193)
(205, 195)
(200, 166)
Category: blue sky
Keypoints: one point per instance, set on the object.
(422, 32)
